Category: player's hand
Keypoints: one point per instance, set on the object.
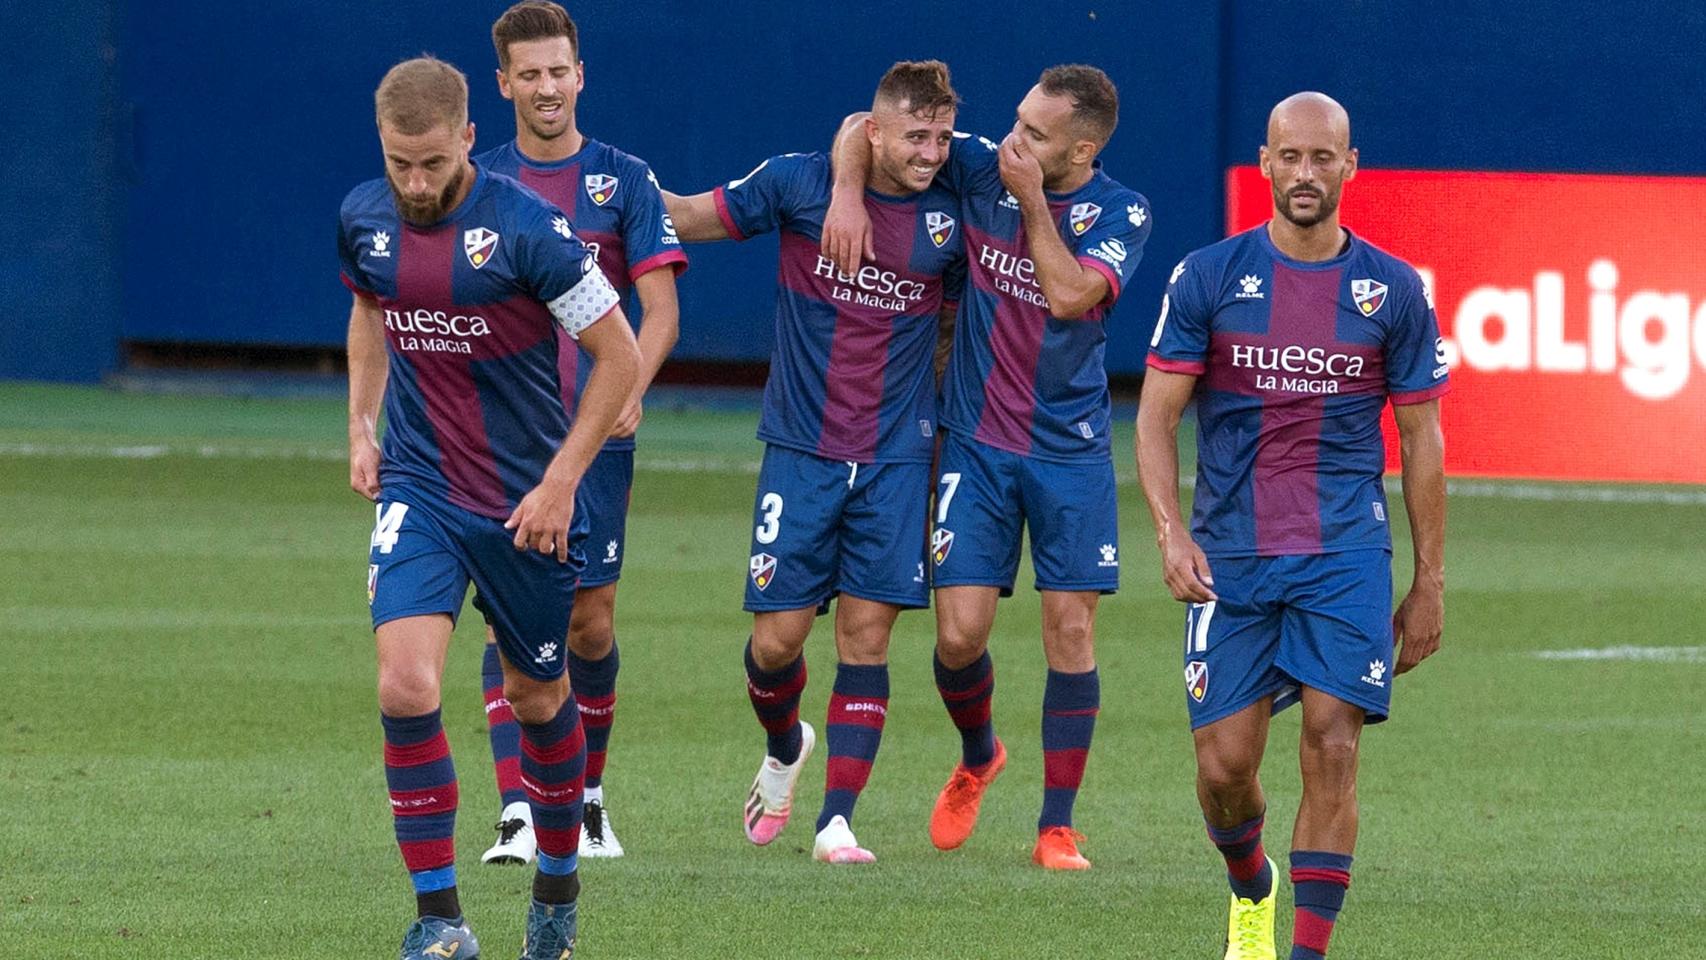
(1184, 567)
(1021, 174)
(541, 520)
(629, 421)
(364, 463)
(847, 233)
(1417, 625)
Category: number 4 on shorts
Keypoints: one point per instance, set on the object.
(388, 520)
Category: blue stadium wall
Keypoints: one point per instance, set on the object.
(183, 163)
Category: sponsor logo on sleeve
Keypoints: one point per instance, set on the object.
(1082, 217)
(561, 226)
(1110, 250)
(601, 187)
(670, 237)
(1137, 214)
(1370, 296)
(479, 244)
(940, 225)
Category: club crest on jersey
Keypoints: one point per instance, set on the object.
(1196, 679)
(941, 542)
(1082, 217)
(479, 244)
(1370, 296)
(940, 225)
(372, 581)
(763, 568)
(601, 187)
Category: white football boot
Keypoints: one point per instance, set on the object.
(771, 799)
(835, 844)
(516, 843)
(597, 838)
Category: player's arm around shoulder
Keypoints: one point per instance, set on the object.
(695, 216)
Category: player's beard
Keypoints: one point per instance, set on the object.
(431, 210)
(1326, 204)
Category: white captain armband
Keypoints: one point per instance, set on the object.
(585, 303)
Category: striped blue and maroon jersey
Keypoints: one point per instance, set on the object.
(850, 376)
(1296, 361)
(613, 204)
(1019, 379)
(473, 306)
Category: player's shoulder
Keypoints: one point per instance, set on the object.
(366, 199)
(1207, 265)
(1387, 262)
(517, 207)
(972, 141)
(614, 159)
(502, 158)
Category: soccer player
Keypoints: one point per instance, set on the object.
(1291, 338)
(612, 202)
(464, 282)
(849, 427)
(1050, 241)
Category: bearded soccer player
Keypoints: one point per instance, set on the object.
(1291, 338)
(612, 202)
(464, 283)
(849, 427)
(1050, 241)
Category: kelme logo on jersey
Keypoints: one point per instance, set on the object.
(940, 225)
(561, 226)
(1196, 679)
(1136, 214)
(1082, 217)
(941, 542)
(381, 244)
(601, 187)
(763, 569)
(1370, 296)
(479, 244)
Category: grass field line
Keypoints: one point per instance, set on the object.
(1626, 652)
(1481, 489)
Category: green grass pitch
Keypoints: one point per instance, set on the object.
(190, 765)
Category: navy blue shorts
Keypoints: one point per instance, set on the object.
(604, 494)
(1284, 623)
(985, 495)
(424, 552)
(823, 527)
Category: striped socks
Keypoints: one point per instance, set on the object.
(857, 708)
(595, 690)
(775, 698)
(967, 693)
(553, 770)
(1319, 880)
(1070, 704)
(422, 782)
(500, 725)
(1246, 862)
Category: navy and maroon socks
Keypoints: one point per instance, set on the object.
(1319, 880)
(501, 726)
(553, 764)
(775, 696)
(595, 690)
(422, 782)
(1247, 868)
(967, 693)
(1070, 704)
(857, 708)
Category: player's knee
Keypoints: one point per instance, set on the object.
(535, 701)
(1329, 752)
(407, 690)
(592, 638)
(1227, 775)
(958, 648)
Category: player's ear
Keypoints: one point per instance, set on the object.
(1263, 163)
(503, 85)
(468, 136)
(580, 75)
(871, 128)
(1351, 164)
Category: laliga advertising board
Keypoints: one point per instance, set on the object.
(1573, 310)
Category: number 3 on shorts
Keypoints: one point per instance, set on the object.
(951, 482)
(771, 504)
(388, 520)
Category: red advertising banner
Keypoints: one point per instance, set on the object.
(1573, 308)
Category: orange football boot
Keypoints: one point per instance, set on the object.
(955, 816)
(1057, 849)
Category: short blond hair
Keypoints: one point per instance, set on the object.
(421, 95)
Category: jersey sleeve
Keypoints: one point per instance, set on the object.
(647, 232)
(349, 261)
(1180, 343)
(973, 167)
(1415, 353)
(560, 271)
(764, 199)
(1113, 245)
